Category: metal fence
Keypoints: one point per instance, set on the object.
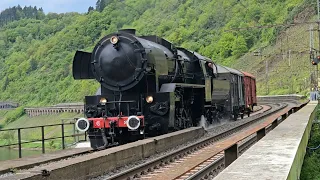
(18, 131)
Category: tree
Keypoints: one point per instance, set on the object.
(239, 47)
(102, 5)
(225, 45)
(98, 5)
(90, 9)
(5, 84)
(16, 13)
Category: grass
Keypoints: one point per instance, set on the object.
(3, 112)
(10, 137)
(310, 168)
(283, 79)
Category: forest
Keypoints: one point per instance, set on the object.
(17, 12)
(37, 49)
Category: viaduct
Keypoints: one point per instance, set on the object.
(8, 105)
(59, 108)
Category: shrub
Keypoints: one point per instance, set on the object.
(8, 137)
(14, 115)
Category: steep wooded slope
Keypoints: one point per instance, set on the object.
(36, 54)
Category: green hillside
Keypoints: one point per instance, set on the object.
(3, 114)
(288, 58)
(36, 54)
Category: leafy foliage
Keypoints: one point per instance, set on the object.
(14, 115)
(7, 137)
(17, 13)
(36, 54)
(311, 168)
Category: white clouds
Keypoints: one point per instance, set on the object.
(58, 6)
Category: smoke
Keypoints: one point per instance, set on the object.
(203, 122)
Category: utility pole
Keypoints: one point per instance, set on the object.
(318, 38)
(259, 53)
(267, 74)
(291, 74)
(289, 57)
(311, 54)
(318, 9)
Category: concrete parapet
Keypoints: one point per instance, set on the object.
(164, 142)
(279, 155)
(279, 98)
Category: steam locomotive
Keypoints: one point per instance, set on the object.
(150, 87)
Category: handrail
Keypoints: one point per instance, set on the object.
(43, 139)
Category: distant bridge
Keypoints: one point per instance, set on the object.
(56, 109)
(8, 105)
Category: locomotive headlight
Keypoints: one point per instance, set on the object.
(114, 39)
(133, 122)
(149, 99)
(82, 124)
(148, 69)
(103, 101)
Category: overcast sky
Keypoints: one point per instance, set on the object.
(57, 6)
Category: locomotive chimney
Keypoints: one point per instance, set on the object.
(129, 31)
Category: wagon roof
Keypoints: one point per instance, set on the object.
(183, 51)
(234, 71)
(223, 69)
(248, 74)
(201, 57)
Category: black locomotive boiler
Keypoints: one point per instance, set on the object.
(148, 87)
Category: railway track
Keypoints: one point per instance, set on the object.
(202, 159)
(67, 154)
(153, 166)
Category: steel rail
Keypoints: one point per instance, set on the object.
(143, 169)
(213, 168)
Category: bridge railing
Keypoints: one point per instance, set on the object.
(19, 141)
